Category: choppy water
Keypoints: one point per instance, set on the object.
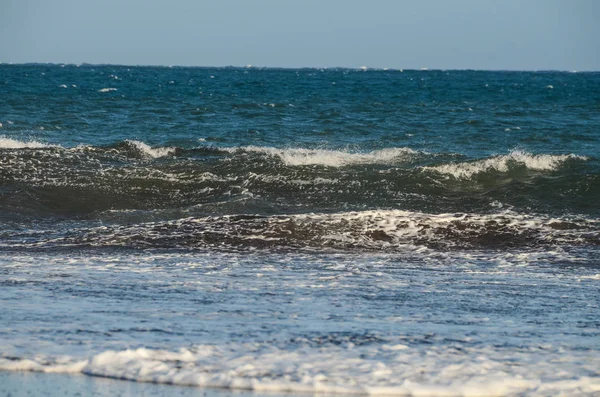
(399, 232)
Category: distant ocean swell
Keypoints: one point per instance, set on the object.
(171, 197)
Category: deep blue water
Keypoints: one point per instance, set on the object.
(308, 230)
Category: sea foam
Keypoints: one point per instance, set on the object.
(384, 230)
(537, 162)
(148, 151)
(345, 369)
(142, 148)
(9, 143)
(331, 158)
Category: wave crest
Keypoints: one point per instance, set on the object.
(9, 143)
(330, 158)
(389, 230)
(148, 151)
(516, 158)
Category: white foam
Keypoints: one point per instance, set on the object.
(63, 365)
(346, 369)
(386, 230)
(404, 227)
(539, 162)
(151, 152)
(594, 277)
(109, 89)
(9, 143)
(331, 158)
(282, 179)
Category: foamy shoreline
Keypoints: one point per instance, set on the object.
(21, 384)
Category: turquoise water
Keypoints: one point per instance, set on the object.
(335, 230)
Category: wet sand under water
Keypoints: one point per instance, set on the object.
(21, 384)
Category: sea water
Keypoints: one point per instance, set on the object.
(303, 230)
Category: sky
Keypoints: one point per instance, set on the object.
(437, 34)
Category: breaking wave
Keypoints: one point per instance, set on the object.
(391, 230)
(330, 158)
(503, 164)
(147, 150)
(351, 368)
(46, 180)
(9, 143)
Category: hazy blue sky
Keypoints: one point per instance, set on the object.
(459, 34)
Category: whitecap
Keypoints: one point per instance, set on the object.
(149, 151)
(594, 277)
(386, 230)
(331, 158)
(404, 227)
(107, 89)
(538, 162)
(9, 143)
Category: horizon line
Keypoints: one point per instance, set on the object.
(357, 68)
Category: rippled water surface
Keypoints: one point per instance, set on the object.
(334, 231)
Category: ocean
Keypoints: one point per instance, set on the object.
(303, 231)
